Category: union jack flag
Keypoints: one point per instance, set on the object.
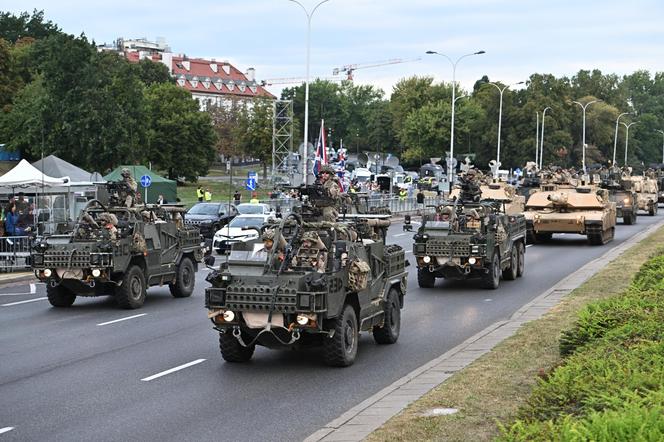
(321, 150)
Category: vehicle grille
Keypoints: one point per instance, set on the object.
(259, 299)
(76, 259)
(447, 248)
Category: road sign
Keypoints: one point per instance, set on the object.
(146, 180)
(517, 172)
(251, 184)
(251, 175)
(451, 162)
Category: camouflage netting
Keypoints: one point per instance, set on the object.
(358, 275)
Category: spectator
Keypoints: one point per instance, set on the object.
(200, 193)
(22, 204)
(420, 198)
(237, 197)
(254, 198)
(208, 195)
(161, 200)
(12, 227)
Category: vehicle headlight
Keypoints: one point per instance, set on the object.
(302, 319)
(228, 316)
(96, 273)
(426, 259)
(626, 201)
(472, 261)
(425, 237)
(225, 277)
(47, 272)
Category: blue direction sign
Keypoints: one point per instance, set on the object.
(146, 180)
(251, 184)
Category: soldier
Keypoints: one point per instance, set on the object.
(132, 187)
(109, 221)
(329, 181)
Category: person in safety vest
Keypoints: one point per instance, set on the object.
(200, 194)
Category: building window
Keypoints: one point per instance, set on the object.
(194, 82)
(230, 85)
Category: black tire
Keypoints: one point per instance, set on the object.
(389, 332)
(521, 259)
(652, 211)
(232, 351)
(185, 279)
(341, 349)
(510, 273)
(491, 280)
(629, 218)
(131, 293)
(60, 296)
(530, 236)
(543, 237)
(425, 278)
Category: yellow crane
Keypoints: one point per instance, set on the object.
(350, 68)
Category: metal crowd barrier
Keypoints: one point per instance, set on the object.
(15, 252)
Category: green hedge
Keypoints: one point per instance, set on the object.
(610, 386)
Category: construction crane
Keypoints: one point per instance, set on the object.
(350, 68)
(293, 80)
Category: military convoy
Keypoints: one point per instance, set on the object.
(119, 251)
(471, 238)
(621, 193)
(309, 282)
(646, 193)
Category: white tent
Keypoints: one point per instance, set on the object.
(25, 174)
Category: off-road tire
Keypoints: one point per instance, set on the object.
(231, 349)
(543, 237)
(425, 278)
(131, 293)
(629, 218)
(652, 210)
(491, 280)
(341, 349)
(185, 279)
(530, 236)
(60, 296)
(389, 332)
(521, 259)
(510, 273)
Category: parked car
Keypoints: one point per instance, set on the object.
(243, 228)
(255, 209)
(210, 217)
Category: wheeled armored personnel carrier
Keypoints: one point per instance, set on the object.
(119, 251)
(470, 238)
(584, 210)
(309, 283)
(646, 193)
(621, 193)
(512, 203)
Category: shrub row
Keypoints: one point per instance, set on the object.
(610, 385)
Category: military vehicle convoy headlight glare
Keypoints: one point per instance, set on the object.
(302, 320)
(47, 272)
(472, 261)
(426, 259)
(228, 316)
(626, 201)
(96, 273)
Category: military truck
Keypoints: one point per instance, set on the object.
(119, 251)
(470, 238)
(585, 210)
(621, 193)
(320, 283)
(646, 193)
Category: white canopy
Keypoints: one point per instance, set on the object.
(25, 174)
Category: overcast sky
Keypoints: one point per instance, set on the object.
(520, 37)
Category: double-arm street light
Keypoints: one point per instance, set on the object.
(583, 141)
(627, 126)
(615, 137)
(500, 119)
(662, 132)
(541, 156)
(450, 176)
(306, 85)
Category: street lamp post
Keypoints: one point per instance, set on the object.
(583, 141)
(500, 119)
(454, 65)
(306, 85)
(537, 125)
(662, 132)
(615, 137)
(627, 126)
(542, 137)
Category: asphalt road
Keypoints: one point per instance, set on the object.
(96, 372)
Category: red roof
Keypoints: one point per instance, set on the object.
(198, 76)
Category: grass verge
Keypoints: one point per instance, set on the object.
(493, 388)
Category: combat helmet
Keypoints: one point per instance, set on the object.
(327, 168)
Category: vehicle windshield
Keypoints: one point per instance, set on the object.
(258, 255)
(362, 179)
(250, 209)
(205, 209)
(253, 221)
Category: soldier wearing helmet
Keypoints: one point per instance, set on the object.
(328, 179)
(132, 187)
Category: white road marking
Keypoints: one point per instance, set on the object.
(529, 245)
(409, 251)
(488, 300)
(122, 319)
(33, 289)
(402, 234)
(172, 370)
(6, 429)
(23, 302)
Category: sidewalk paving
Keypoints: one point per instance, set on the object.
(366, 417)
(16, 277)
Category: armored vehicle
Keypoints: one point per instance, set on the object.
(584, 210)
(470, 238)
(119, 251)
(621, 193)
(309, 283)
(502, 192)
(646, 193)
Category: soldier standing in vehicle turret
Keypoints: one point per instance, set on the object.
(330, 183)
(131, 189)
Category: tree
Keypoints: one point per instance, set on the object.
(13, 28)
(257, 136)
(150, 72)
(181, 138)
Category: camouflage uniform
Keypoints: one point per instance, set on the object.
(132, 187)
(333, 191)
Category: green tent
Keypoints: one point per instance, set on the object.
(159, 185)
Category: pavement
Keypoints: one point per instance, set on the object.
(15, 277)
(366, 417)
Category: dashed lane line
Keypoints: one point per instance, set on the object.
(23, 302)
(6, 429)
(172, 370)
(122, 319)
(33, 290)
(401, 234)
